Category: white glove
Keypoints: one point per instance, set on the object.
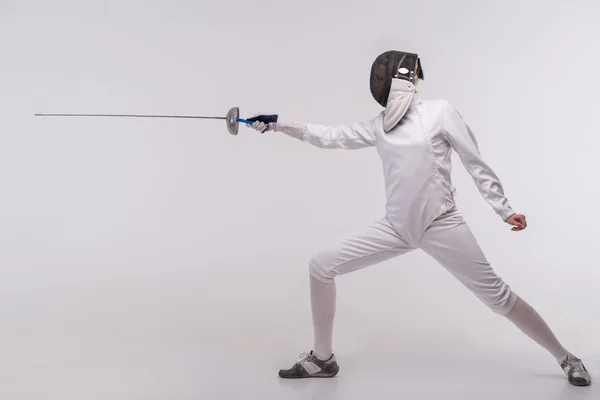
(263, 122)
(262, 127)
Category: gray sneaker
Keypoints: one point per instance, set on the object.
(310, 366)
(575, 370)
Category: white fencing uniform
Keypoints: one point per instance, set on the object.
(420, 210)
(420, 213)
(448, 240)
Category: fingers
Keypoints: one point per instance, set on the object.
(263, 122)
(519, 222)
(258, 126)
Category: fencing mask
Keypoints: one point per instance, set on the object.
(394, 75)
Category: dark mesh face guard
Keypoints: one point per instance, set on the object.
(389, 65)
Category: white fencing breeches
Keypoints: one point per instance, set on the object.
(448, 240)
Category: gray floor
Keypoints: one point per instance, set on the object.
(136, 371)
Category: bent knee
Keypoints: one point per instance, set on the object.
(321, 268)
(500, 299)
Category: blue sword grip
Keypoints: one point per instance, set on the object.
(245, 121)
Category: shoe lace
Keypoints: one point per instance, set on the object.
(575, 363)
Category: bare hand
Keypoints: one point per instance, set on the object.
(518, 221)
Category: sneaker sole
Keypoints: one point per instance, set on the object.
(322, 376)
(579, 382)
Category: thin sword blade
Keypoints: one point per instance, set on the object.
(128, 116)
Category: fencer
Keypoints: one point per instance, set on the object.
(414, 139)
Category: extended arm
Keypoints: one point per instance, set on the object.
(351, 136)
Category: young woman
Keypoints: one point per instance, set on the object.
(414, 139)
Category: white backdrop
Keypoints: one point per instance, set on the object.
(121, 230)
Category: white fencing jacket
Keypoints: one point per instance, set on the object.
(416, 161)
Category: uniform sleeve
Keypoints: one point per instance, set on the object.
(350, 137)
(463, 141)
